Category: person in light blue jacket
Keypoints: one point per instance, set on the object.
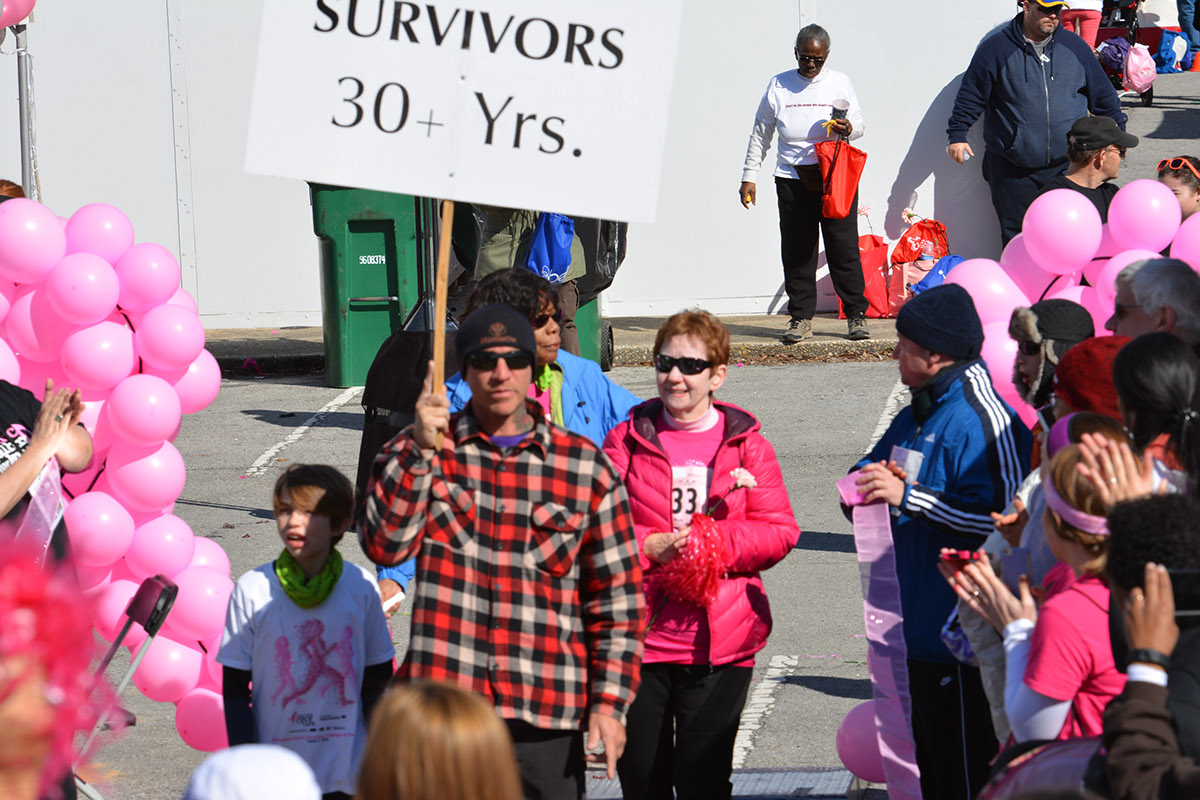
(573, 391)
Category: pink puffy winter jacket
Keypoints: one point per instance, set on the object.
(758, 526)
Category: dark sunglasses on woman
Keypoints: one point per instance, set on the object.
(541, 320)
(688, 366)
(485, 360)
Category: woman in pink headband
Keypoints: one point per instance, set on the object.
(1059, 667)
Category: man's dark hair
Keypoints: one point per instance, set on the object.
(518, 289)
(1164, 529)
(1079, 155)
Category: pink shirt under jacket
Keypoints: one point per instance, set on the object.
(758, 525)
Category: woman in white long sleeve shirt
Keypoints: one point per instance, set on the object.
(797, 104)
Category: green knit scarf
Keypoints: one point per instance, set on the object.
(308, 592)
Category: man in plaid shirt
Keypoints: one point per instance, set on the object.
(528, 584)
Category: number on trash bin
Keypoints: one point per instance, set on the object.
(379, 101)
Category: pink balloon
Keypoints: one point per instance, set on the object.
(210, 554)
(164, 545)
(14, 11)
(31, 240)
(146, 478)
(1062, 231)
(108, 612)
(32, 328)
(1144, 214)
(199, 611)
(200, 720)
(1031, 279)
(100, 529)
(8, 293)
(100, 229)
(34, 375)
(994, 293)
(1108, 245)
(1092, 271)
(198, 387)
(858, 742)
(999, 352)
(170, 337)
(149, 276)
(82, 289)
(143, 410)
(10, 368)
(215, 671)
(184, 299)
(91, 479)
(99, 356)
(169, 671)
(1106, 281)
(1186, 245)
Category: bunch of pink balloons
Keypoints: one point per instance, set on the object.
(14, 11)
(1062, 244)
(81, 304)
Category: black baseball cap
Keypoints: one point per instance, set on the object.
(1095, 133)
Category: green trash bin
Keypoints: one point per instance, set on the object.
(595, 334)
(369, 281)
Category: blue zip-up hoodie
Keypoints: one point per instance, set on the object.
(976, 451)
(1028, 105)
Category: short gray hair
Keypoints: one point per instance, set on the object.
(812, 33)
(1167, 282)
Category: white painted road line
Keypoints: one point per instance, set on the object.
(759, 705)
(264, 461)
(891, 408)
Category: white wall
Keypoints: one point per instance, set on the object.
(107, 102)
(905, 61)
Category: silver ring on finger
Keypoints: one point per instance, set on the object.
(1112, 479)
(58, 418)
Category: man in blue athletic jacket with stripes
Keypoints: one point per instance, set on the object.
(1030, 80)
(959, 453)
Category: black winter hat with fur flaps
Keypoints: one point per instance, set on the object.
(1055, 326)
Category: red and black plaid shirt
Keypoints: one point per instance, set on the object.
(528, 584)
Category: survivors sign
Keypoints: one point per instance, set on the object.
(540, 104)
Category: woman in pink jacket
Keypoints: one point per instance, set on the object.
(681, 455)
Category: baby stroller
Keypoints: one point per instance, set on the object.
(1113, 52)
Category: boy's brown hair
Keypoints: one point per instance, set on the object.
(318, 489)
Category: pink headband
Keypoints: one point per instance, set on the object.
(1088, 523)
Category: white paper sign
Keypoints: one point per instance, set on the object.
(539, 104)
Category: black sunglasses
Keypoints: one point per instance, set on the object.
(688, 366)
(485, 360)
(1050, 11)
(541, 319)
(1027, 348)
(816, 62)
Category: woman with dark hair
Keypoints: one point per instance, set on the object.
(1157, 377)
(1181, 175)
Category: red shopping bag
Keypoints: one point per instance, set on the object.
(873, 252)
(922, 234)
(841, 167)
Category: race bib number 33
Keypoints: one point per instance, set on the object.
(689, 493)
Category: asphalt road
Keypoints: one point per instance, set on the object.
(820, 418)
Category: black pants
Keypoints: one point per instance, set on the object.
(1013, 190)
(680, 730)
(799, 220)
(952, 727)
(551, 762)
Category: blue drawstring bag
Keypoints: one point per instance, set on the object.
(937, 275)
(550, 248)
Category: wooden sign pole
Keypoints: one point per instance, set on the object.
(439, 303)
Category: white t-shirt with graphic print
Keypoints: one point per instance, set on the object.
(307, 666)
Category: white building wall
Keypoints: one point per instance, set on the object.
(108, 98)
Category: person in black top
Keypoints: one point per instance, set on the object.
(31, 433)
(1095, 148)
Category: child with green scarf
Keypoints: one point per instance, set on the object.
(308, 632)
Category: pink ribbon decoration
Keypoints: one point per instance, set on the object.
(886, 652)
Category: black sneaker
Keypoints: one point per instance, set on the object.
(797, 330)
(858, 328)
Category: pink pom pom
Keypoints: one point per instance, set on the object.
(694, 576)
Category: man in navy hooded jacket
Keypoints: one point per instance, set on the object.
(1030, 80)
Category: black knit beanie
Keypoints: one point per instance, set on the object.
(493, 325)
(942, 319)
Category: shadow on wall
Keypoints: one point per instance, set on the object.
(960, 198)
